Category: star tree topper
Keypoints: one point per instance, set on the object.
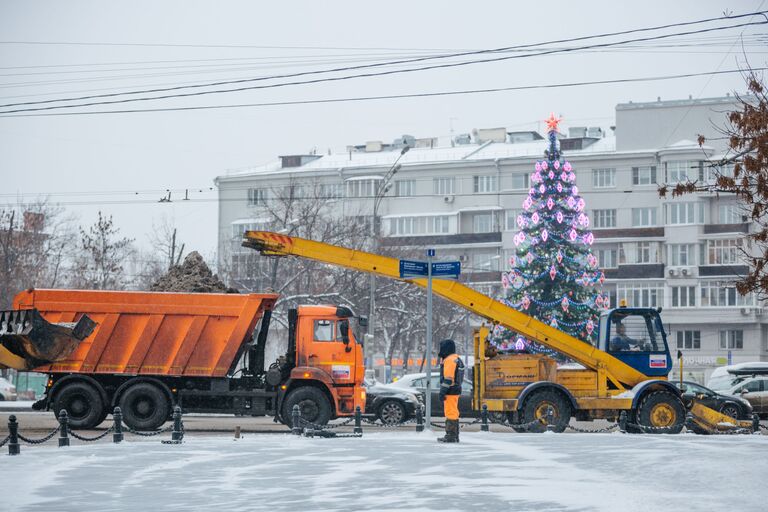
(552, 122)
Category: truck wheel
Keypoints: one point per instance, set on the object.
(537, 405)
(313, 405)
(662, 411)
(82, 402)
(392, 412)
(144, 406)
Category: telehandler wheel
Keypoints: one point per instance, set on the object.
(537, 405)
(144, 406)
(313, 406)
(82, 402)
(662, 411)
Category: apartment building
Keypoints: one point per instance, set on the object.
(462, 197)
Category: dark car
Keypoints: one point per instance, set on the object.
(390, 404)
(418, 382)
(733, 406)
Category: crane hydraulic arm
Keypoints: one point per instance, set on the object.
(621, 374)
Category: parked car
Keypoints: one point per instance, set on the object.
(7, 390)
(724, 378)
(389, 403)
(733, 406)
(418, 383)
(754, 390)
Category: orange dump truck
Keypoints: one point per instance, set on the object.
(204, 352)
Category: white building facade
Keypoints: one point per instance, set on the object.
(462, 198)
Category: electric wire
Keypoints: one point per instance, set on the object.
(12, 113)
(394, 71)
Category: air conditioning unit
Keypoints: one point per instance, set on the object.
(684, 271)
(671, 272)
(448, 199)
(744, 311)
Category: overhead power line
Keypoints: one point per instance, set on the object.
(388, 97)
(390, 63)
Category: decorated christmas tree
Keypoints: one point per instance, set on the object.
(553, 275)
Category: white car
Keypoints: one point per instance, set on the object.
(7, 390)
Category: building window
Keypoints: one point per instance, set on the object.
(240, 227)
(330, 190)
(632, 253)
(604, 218)
(732, 339)
(603, 178)
(644, 175)
(485, 261)
(483, 223)
(484, 184)
(444, 186)
(683, 170)
(685, 213)
(606, 258)
(730, 214)
(404, 188)
(520, 181)
(682, 254)
(723, 294)
(425, 225)
(511, 220)
(641, 295)
(257, 196)
(683, 296)
(715, 171)
(642, 217)
(724, 252)
(689, 340)
(362, 188)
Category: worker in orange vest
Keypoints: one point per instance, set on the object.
(451, 377)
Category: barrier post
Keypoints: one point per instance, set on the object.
(484, 418)
(13, 442)
(358, 421)
(63, 428)
(117, 434)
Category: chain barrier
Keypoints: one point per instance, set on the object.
(5, 441)
(90, 439)
(609, 428)
(516, 426)
(389, 425)
(42, 439)
(150, 434)
(327, 426)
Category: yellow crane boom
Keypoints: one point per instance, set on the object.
(275, 244)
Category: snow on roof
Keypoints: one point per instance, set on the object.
(383, 160)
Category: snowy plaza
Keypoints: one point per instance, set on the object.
(396, 471)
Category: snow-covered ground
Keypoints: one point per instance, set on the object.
(16, 404)
(395, 471)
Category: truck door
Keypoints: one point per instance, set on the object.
(326, 349)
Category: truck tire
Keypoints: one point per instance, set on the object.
(662, 412)
(82, 402)
(144, 406)
(537, 405)
(313, 405)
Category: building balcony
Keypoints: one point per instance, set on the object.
(653, 232)
(711, 229)
(436, 240)
(644, 271)
(723, 270)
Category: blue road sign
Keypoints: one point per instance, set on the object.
(730, 357)
(446, 269)
(411, 268)
(430, 252)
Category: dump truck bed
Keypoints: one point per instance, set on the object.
(143, 333)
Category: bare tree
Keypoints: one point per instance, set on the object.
(34, 238)
(165, 241)
(747, 136)
(99, 262)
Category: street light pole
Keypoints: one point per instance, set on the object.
(378, 196)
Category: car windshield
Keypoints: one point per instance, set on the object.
(724, 382)
(691, 388)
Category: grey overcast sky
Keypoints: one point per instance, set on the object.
(55, 49)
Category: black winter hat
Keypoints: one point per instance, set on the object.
(447, 347)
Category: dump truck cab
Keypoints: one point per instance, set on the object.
(325, 355)
(636, 337)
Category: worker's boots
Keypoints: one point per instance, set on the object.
(451, 432)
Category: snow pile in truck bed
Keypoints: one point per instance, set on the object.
(191, 276)
(395, 471)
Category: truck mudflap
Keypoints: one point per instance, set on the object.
(27, 340)
(709, 421)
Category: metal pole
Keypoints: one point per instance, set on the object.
(428, 398)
